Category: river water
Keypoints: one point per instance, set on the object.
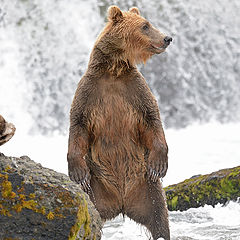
(205, 223)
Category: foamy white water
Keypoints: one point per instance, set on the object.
(12, 84)
(205, 223)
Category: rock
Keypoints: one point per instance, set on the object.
(211, 189)
(39, 203)
(7, 131)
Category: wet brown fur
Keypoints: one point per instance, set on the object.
(115, 128)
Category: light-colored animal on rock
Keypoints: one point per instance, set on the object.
(7, 131)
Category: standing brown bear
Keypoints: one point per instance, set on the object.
(117, 149)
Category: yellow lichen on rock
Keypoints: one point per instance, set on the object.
(17, 200)
(83, 221)
(43, 200)
(6, 188)
(50, 216)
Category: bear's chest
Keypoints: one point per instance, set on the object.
(112, 115)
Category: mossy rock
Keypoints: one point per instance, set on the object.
(211, 189)
(39, 203)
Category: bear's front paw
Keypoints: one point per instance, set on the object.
(79, 173)
(157, 165)
(80, 176)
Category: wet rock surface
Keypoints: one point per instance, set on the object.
(39, 203)
(217, 187)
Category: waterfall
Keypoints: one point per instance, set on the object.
(45, 46)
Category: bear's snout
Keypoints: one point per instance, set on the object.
(167, 40)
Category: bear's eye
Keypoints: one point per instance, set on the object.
(145, 26)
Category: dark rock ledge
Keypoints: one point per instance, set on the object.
(217, 187)
(39, 203)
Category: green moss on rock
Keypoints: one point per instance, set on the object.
(217, 187)
(83, 221)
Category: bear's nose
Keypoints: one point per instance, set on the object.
(167, 39)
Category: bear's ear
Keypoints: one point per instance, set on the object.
(134, 10)
(114, 14)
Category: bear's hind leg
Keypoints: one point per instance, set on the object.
(145, 204)
(106, 201)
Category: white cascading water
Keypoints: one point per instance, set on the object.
(44, 49)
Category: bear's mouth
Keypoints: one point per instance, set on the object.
(157, 49)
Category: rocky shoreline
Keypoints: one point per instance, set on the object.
(39, 203)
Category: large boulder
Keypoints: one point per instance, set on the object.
(39, 203)
(211, 189)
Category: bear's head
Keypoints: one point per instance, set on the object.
(131, 37)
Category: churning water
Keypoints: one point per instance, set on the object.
(205, 223)
(44, 48)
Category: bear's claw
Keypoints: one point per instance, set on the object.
(85, 185)
(81, 177)
(154, 175)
